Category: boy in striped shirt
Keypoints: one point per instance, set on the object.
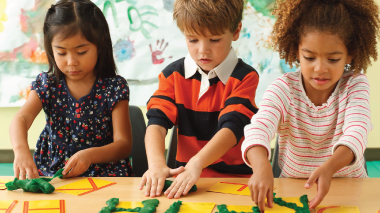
(321, 112)
(209, 95)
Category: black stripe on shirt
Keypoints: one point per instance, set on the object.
(237, 100)
(202, 125)
(235, 121)
(241, 70)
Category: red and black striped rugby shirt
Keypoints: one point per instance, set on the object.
(199, 116)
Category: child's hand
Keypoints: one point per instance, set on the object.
(184, 181)
(261, 186)
(322, 177)
(78, 164)
(155, 178)
(24, 166)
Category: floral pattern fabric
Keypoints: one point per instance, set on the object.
(73, 125)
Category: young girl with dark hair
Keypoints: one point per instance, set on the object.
(87, 131)
(321, 112)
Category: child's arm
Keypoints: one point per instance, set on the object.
(23, 165)
(349, 150)
(158, 171)
(342, 157)
(119, 149)
(261, 182)
(162, 114)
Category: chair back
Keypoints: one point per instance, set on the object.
(138, 154)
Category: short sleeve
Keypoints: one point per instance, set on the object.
(240, 106)
(118, 90)
(162, 109)
(42, 86)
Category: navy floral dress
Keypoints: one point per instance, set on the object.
(73, 125)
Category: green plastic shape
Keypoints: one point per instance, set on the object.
(168, 183)
(303, 199)
(174, 208)
(149, 206)
(39, 185)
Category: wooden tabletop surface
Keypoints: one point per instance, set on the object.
(364, 193)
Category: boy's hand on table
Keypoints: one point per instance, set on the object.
(261, 186)
(77, 164)
(155, 178)
(24, 166)
(322, 177)
(184, 181)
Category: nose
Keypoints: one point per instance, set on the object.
(204, 48)
(72, 60)
(320, 67)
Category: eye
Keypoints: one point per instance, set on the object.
(309, 58)
(214, 40)
(61, 53)
(334, 60)
(193, 40)
(82, 53)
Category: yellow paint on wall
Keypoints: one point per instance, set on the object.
(3, 15)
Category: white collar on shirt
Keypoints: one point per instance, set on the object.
(223, 70)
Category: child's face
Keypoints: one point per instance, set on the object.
(75, 57)
(209, 51)
(322, 57)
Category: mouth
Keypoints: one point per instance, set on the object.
(74, 72)
(321, 80)
(205, 60)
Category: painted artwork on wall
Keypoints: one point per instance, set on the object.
(145, 40)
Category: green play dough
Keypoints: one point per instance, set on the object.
(303, 199)
(168, 183)
(149, 206)
(34, 185)
(174, 208)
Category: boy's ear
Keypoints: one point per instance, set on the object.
(237, 32)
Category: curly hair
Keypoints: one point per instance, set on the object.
(356, 22)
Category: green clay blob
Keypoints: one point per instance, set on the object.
(168, 183)
(149, 206)
(303, 199)
(174, 208)
(39, 185)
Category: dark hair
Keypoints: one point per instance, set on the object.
(355, 21)
(68, 18)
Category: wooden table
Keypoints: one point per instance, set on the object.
(364, 193)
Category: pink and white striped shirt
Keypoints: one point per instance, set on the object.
(309, 134)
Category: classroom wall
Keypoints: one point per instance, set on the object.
(7, 113)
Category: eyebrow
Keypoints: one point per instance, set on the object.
(333, 53)
(82, 45)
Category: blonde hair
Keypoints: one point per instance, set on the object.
(213, 15)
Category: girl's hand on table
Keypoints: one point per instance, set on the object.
(261, 186)
(77, 164)
(24, 166)
(322, 176)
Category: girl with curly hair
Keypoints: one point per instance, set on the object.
(320, 112)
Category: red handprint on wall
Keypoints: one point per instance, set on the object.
(158, 51)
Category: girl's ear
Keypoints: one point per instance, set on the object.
(298, 55)
(237, 32)
(349, 59)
